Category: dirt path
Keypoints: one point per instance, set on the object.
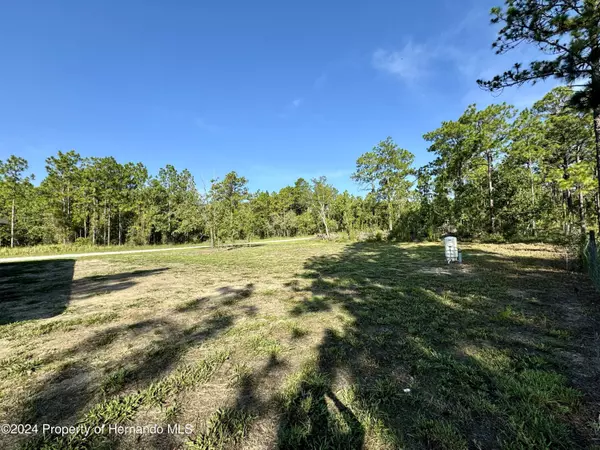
(125, 252)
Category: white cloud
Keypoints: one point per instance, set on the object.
(410, 63)
(462, 53)
(291, 107)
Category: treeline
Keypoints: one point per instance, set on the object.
(497, 172)
(513, 174)
(100, 201)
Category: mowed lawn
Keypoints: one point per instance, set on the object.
(304, 345)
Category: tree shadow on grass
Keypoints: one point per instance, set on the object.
(103, 284)
(35, 289)
(43, 289)
(63, 396)
(228, 296)
(313, 416)
(444, 360)
(161, 344)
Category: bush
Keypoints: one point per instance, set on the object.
(492, 238)
(332, 237)
(372, 236)
(82, 242)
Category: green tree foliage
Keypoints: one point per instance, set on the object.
(495, 174)
(15, 190)
(323, 197)
(227, 197)
(385, 171)
(568, 154)
(567, 32)
(524, 161)
(468, 152)
(60, 190)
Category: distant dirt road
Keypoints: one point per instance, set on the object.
(125, 252)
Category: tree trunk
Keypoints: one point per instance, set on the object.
(64, 211)
(530, 167)
(68, 226)
(95, 219)
(105, 234)
(390, 216)
(12, 224)
(120, 228)
(491, 192)
(324, 219)
(213, 229)
(169, 221)
(581, 213)
(108, 231)
(581, 206)
(597, 139)
(597, 199)
(231, 224)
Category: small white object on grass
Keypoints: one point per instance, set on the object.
(451, 248)
(407, 390)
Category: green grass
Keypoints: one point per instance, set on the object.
(225, 428)
(21, 365)
(61, 249)
(31, 328)
(306, 345)
(123, 408)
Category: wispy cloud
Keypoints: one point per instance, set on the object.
(291, 107)
(204, 125)
(461, 53)
(409, 63)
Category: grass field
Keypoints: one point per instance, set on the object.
(304, 345)
(60, 249)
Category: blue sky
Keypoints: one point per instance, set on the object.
(274, 90)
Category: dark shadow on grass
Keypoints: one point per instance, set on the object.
(307, 420)
(43, 289)
(63, 397)
(191, 305)
(232, 295)
(442, 356)
(104, 284)
(228, 296)
(34, 289)
(314, 304)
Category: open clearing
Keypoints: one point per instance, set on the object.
(304, 345)
(106, 252)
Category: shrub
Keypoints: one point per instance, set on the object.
(83, 242)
